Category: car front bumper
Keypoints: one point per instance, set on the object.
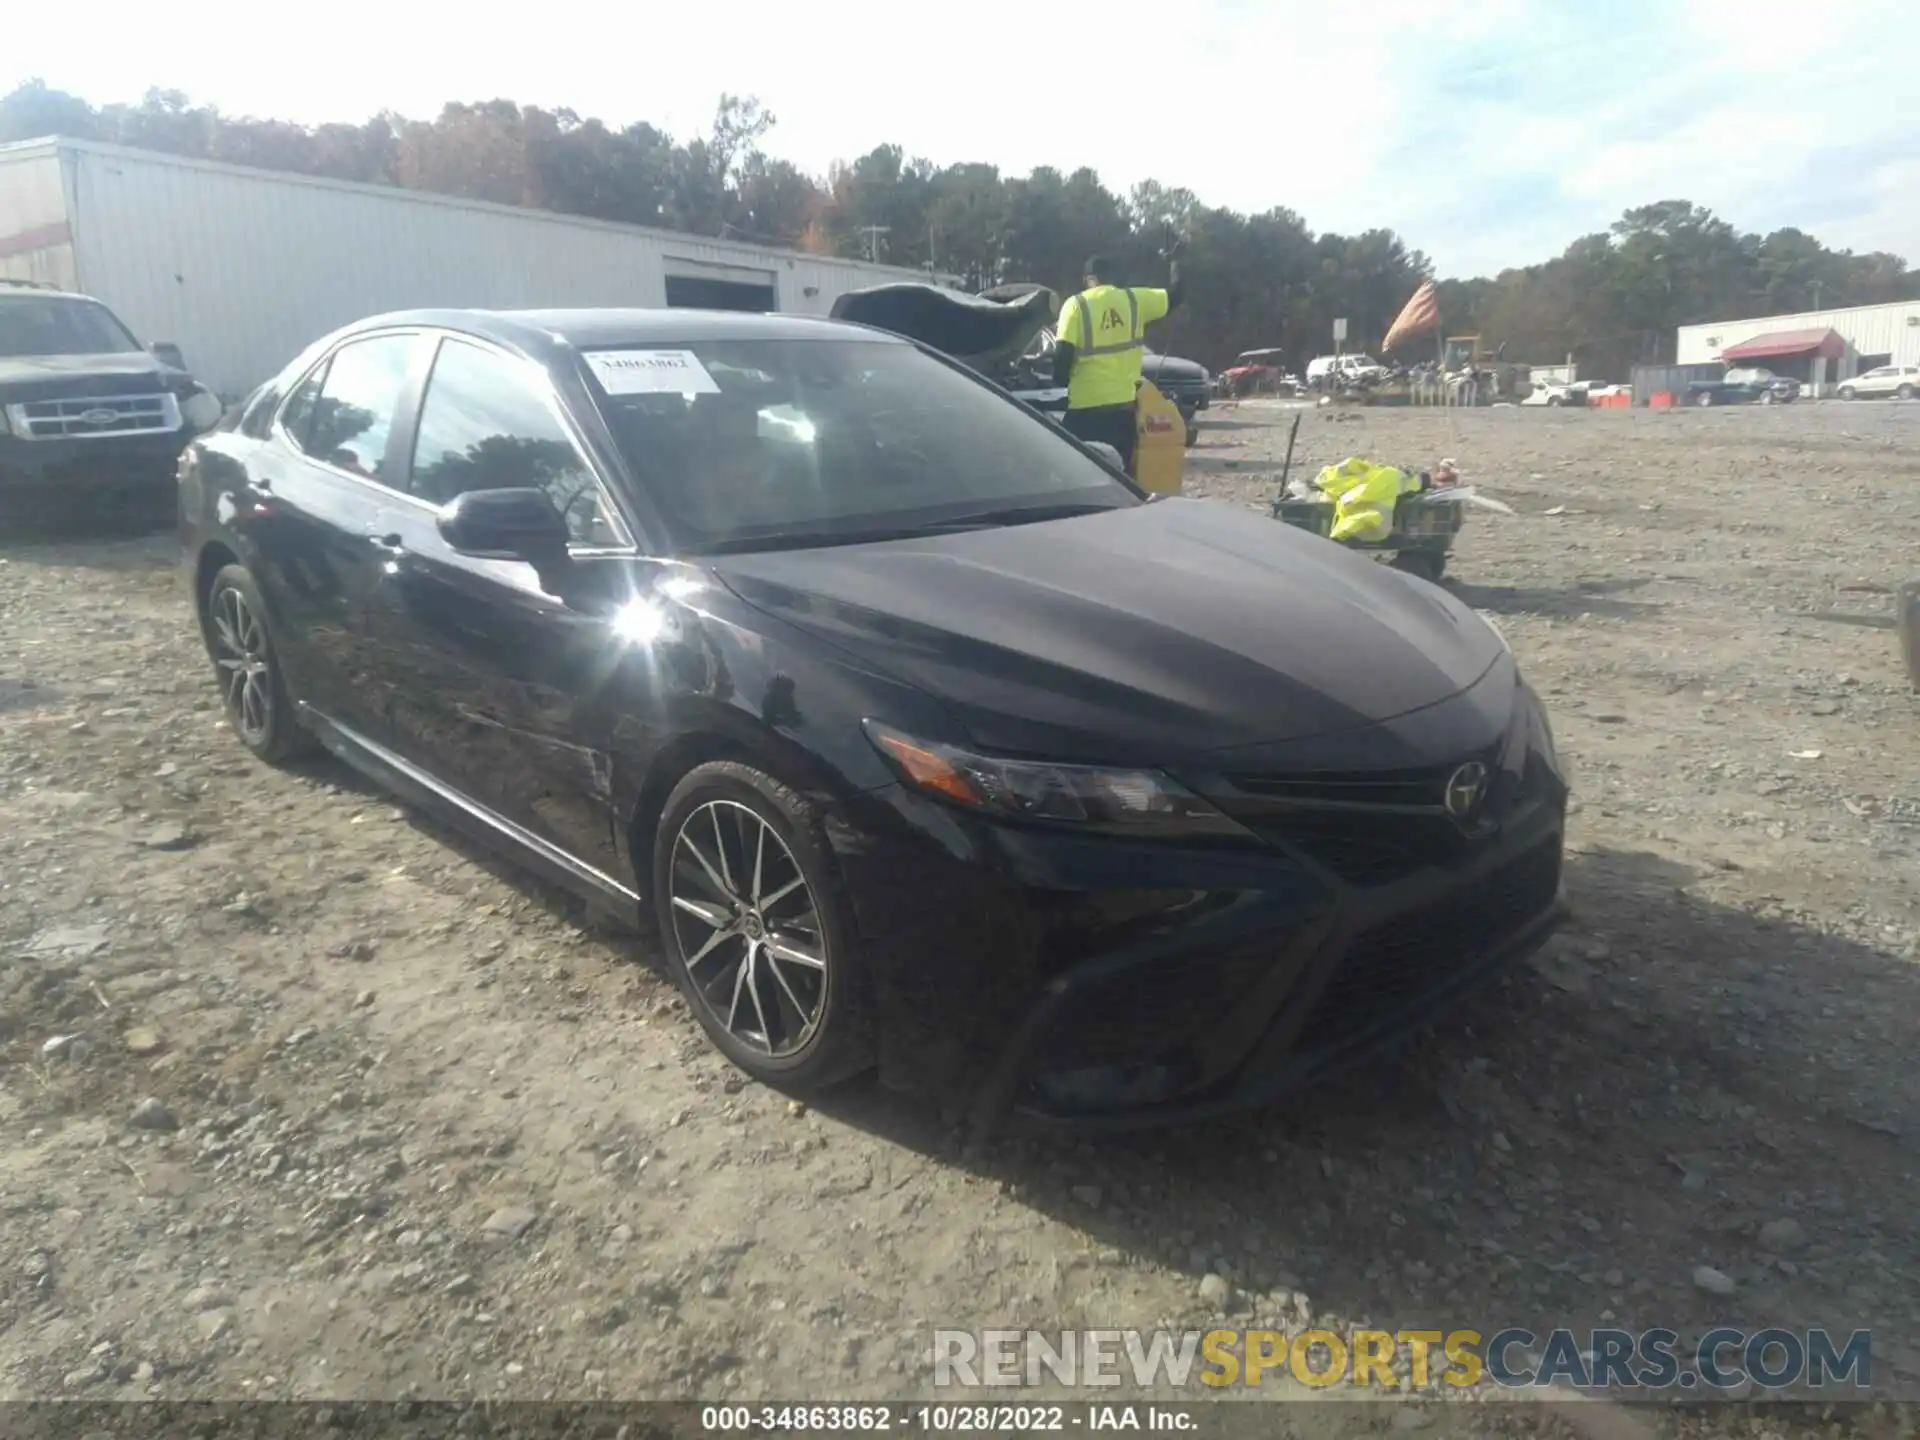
(61, 477)
(1087, 982)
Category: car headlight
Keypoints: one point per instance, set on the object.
(1134, 802)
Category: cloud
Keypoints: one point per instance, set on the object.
(1488, 135)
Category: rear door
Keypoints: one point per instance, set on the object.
(511, 696)
(321, 489)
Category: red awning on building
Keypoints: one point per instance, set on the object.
(1782, 343)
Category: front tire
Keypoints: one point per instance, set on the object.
(1705, 399)
(1847, 392)
(253, 692)
(1905, 392)
(758, 933)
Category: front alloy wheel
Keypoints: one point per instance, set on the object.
(749, 907)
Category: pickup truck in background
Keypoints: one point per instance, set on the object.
(1743, 387)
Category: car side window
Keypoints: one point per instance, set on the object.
(356, 397)
(486, 425)
(298, 410)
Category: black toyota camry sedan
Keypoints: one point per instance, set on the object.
(925, 738)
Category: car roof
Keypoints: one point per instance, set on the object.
(545, 333)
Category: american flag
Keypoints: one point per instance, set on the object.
(1422, 314)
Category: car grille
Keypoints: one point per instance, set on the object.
(1368, 828)
(84, 416)
(1396, 967)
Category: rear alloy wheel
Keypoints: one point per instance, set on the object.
(1905, 392)
(1705, 399)
(252, 691)
(757, 934)
(1847, 392)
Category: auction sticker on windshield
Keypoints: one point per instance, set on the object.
(650, 372)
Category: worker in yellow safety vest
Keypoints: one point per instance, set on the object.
(1099, 344)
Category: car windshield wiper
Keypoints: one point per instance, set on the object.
(979, 520)
(1029, 514)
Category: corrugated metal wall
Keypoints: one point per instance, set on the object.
(36, 242)
(242, 268)
(1868, 330)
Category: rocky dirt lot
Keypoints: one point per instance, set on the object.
(302, 1097)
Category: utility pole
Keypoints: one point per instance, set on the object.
(873, 234)
(1817, 287)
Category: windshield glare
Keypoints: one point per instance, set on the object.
(838, 439)
(58, 325)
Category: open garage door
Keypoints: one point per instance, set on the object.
(692, 285)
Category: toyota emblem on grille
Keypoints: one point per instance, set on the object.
(100, 415)
(1466, 788)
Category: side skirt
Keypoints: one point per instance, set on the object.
(408, 780)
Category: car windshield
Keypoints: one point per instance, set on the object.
(60, 325)
(751, 443)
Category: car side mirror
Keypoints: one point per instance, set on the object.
(507, 525)
(202, 411)
(1107, 453)
(167, 353)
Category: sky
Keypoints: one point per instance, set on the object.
(1487, 134)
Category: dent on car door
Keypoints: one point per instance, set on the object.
(512, 695)
(322, 484)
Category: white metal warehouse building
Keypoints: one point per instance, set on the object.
(1865, 336)
(242, 268)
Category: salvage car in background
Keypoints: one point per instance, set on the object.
(927, 738)
(91, 422)
(1884, 382)
(1743, 387)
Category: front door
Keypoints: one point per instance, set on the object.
(321, 487)
(510, 695)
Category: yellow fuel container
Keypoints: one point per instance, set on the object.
(1160, 444)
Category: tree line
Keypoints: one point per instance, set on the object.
(1609, 300)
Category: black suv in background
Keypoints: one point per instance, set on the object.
(91, 422)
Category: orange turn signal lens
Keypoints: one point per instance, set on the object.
(926, 769)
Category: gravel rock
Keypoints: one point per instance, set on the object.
(1782, 1235)
(1215, 1291)
(152, 1114)
(1713, 1281)
(509, 1223)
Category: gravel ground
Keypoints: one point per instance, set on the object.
(305, 1098)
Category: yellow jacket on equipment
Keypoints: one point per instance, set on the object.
(1107, 327)
(1364, 497)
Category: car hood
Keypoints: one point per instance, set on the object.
(980, 330)
(1147, 635)
(47, 377)
(1171, 367)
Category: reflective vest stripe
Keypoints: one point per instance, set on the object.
(1137, 341)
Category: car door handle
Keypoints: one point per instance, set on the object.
(391, 544)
